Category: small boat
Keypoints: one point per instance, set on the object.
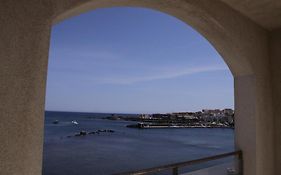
(55, 122)
(74, 122)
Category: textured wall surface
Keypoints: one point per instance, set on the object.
(275, 43)
(24, 43)
(264, 12)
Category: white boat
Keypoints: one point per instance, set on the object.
(74, 122)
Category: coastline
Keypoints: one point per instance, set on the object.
(155, 126)
(206, 118)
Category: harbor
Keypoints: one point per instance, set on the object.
(207, 118)
(155, 126)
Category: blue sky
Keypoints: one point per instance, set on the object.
(134, 60)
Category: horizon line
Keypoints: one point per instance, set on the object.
(133, 113)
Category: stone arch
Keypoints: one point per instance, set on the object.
(25, 33)
(240, 42)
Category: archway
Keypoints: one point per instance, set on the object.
(241, 43)
(228, 44)
(66, 49)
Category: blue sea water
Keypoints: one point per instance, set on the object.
(124, 150)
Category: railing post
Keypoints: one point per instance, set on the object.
(175, 171)
(240, 157)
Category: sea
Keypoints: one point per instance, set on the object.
(124, 149)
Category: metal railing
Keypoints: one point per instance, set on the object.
(175, 167)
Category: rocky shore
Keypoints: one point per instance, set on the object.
(84, 133)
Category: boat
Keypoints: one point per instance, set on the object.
(74, 122)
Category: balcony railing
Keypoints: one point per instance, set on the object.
(235, 167)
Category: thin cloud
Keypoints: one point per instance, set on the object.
(89, 53)
(168, 74)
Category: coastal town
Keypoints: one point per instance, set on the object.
(207, 118)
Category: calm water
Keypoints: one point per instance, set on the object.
(125, 149)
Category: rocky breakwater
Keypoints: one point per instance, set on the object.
(85, 133)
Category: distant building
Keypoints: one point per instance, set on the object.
(228, 112)
(145, 116)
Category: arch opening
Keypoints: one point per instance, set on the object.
(24, 55)
(156, 76)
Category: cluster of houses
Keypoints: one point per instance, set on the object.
(224, 116)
